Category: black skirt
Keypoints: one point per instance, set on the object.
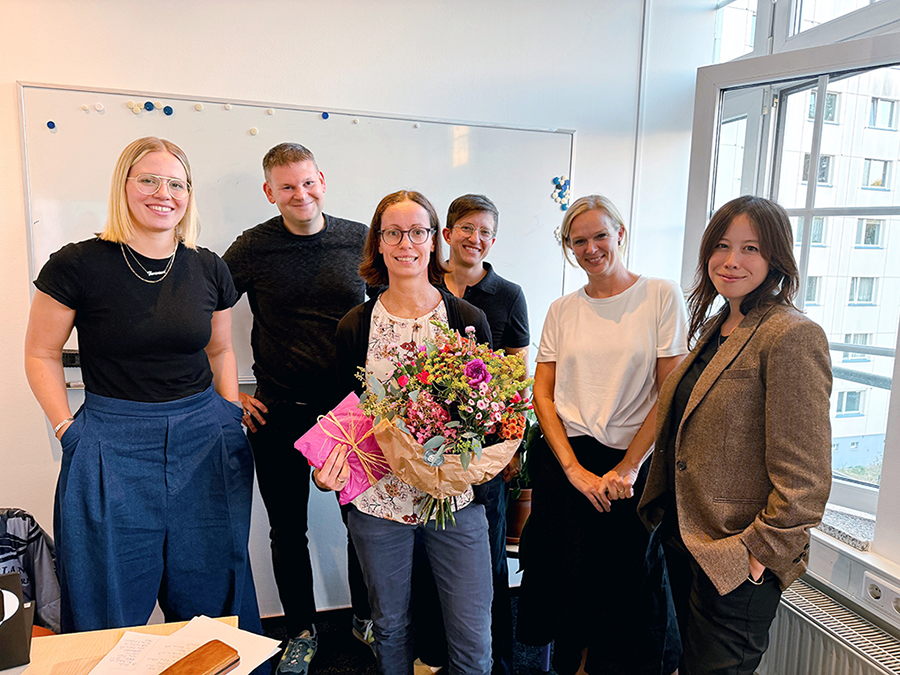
(591, 579)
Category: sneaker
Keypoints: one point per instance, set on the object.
(299, 653)
(362, 631)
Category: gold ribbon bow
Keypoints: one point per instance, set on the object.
(369, 460)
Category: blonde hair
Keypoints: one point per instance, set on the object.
(120, 224)
(591, 203)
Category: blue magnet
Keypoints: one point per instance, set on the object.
(556, 181)
(168, 110)
(51, 124)
(564, 207)
(325, 116)
(148, 106)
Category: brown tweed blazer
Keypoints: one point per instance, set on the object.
(753, 450)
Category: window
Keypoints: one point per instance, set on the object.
(883, 113)
(831, 106)
(856, 339)
(824, 176)
(869, 232)
(850, 403)
(862, 290)
(876, 174)
(818, 231)
(854, 445)
(812, 290)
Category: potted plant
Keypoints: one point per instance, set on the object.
(519, 506)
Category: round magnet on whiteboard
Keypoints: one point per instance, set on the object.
(416, 125)
(86, 107)
(564, 178)
(148, 106)
(270, 111)
(198, 107)
(227, 106)
(158, 105)
(254, 131)
(129, 105)
(355, 121)
(137, 110)
(556, 181)
(564, 207)
(325, 116)
(51, 124)
(168, 110)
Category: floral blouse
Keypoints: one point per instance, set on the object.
(390, 497)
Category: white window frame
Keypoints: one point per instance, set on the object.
(837, 106)
(873, 117)
(856, 357)
(808, 61)
(812, 289)
(829, 169)
(861, 232)
(856, 285)
(843, 397)
(868, 163)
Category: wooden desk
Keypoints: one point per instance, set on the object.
(78, 653)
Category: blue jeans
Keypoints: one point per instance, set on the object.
(461, 561)
(153, 502)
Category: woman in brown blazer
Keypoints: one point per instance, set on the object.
(742, 465)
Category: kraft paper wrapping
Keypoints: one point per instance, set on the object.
(447, 480)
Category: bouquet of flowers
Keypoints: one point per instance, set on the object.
(450, 416)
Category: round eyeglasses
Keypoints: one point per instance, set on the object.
(149, 184)
(417, 235)
(467, 231)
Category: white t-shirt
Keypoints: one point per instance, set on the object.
(605, 352)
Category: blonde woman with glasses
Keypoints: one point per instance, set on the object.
(154, 492)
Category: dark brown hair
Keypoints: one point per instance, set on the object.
(776, 244)
(463, 206)
(373, 269)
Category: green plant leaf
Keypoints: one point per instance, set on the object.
(464, 458)
(401, 425)
(435, 442)
(376, 387)
(414, 395)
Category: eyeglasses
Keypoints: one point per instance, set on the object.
(417, 235)
(467, 231)
(149, 184)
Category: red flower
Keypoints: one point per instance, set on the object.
(422, 377)
(402, 380)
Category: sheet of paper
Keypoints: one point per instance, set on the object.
(254, 649)
(142, 654)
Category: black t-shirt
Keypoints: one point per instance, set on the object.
(299, 287)
(140, 341)
(503, 302)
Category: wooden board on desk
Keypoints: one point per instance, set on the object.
(78, 653)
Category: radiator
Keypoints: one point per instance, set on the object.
(814, 635)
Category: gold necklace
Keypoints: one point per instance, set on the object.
(164, 272)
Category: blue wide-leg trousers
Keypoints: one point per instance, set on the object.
(153, 502)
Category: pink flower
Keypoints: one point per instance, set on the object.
(403, 379)
(477, 373)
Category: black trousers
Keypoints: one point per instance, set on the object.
(720, 634)
(283, 475)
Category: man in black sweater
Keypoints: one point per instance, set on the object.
(300, 273)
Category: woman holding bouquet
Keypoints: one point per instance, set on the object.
(403, 252)
(593, 579)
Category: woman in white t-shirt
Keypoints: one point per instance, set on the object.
(595, 582)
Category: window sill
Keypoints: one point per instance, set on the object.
(875, 188)
(854, 528)
(850, 414)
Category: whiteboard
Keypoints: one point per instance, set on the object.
(364, 156)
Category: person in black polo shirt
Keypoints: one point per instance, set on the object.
(470, 231)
